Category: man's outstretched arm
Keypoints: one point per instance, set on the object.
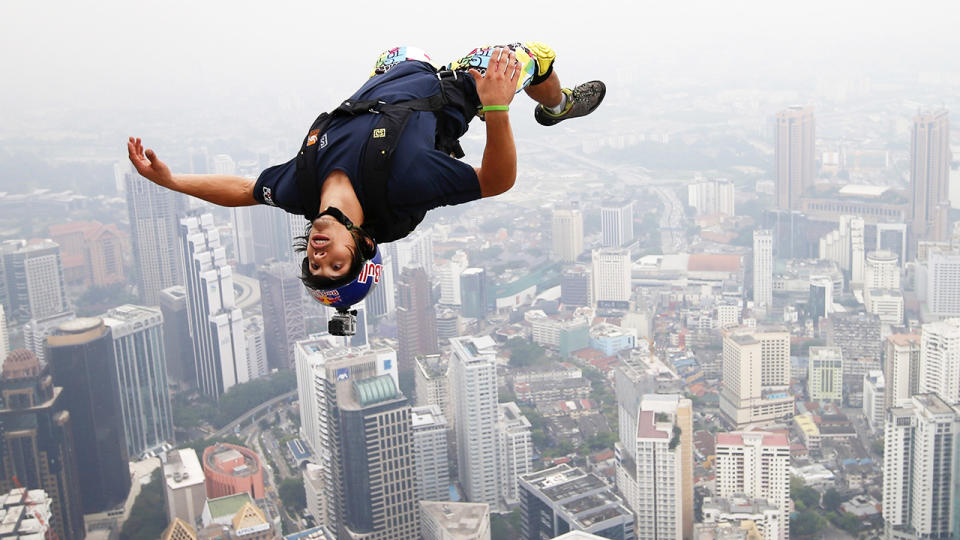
(498, 169)
(219, 189)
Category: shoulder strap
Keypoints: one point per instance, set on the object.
(306, 171)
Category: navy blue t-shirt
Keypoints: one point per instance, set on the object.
(421, 177)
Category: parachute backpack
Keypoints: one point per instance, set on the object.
(342, 298)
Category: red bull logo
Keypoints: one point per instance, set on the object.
(326, 297)
(370, 270)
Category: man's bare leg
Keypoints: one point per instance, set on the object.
(548, 92)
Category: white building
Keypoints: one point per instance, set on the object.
(739, 508)
(256, 347)
(430, 453)
(454, 521)
(567, 229)
(34, 279)
(611, 275)
(4, 336)
(857, 252)
(763, 270)
(873, 398)
(184, 486)
(416, 249)
(919, 468)
(939, 371)
(755, 464)
(886, 304)
(901, 368)
(825, 377)
(473, 379)
(882, 270)
(515, 450)
(215, 320)
(382, 299)
(313, 482)
(712, 197)
(756, 376)
(939, 283)
(449, 274)
(616, 224)
(35, 332)
(154, 213)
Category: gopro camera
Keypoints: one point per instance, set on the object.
(343, 323)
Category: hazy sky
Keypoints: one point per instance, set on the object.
(116, 54)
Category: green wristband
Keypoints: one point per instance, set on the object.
(488, 108)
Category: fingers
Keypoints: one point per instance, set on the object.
(475, 74)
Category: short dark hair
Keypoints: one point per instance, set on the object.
(320, 283)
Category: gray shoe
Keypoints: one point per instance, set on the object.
(581, 101)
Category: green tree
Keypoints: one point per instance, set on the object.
(524, 353)
(293, 494)
(807, 523)
(832, 499)
(148, 517)
(803, 494)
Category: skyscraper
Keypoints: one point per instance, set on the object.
(919, 468)
(567, 228)
(154, 213)
(940, 360)
(712, 197)
(38, 446)
(611, 277)
(930, 159)
(473, 293)
(141, 367)
(825, 378)
(34, 274)
(756, 376)
(575, 284)
(177, 345)
(901, 368)
(415, 250)
(940, 283)
(616, 224)
(429, 429)
(256, 347)
(755, 464)
(655, 466)
(216, 323)
(4, 336)
(514, 448)
(473, 379)
(416, 318)
(794, 155)
(763, 270)
(282, 301)
(35, 332)
(382, 300)
(81, 357)
(271, 234)
(449, 274)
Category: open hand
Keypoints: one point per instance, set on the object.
(499, 84)
(147, 163)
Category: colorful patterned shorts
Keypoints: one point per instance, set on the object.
(536, 59)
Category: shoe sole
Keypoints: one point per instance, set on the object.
(554, 120)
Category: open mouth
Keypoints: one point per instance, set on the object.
(319, 240)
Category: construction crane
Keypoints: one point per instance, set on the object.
(51, 534)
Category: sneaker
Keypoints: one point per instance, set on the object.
(581, 101)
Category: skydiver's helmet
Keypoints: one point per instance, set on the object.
(344, 296)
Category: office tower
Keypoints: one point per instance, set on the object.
(416, 318)
(322, 369)
(856, 250)
(821, 297)
(473, 293)
(242, 220)
(515, 449)
(711, 197)
(892, 237)
(575, 285)
(4, 336)
(756, 376)
(38, 446)
(882, 270)
(564, 498)
(448, 324)
(791, 233)
(432, 385)
(34, 274)
(655, 465)
(253, 334)
(940, 285)
(930, 159)
(901, 368)
(415, 250)
(473, 380)
(611, 277)
(874, 388)
(449, 274)
(177, 344)
(154, 213)
(567, 230)
(616, 224)
(184, 487)
(81, 357)
(755, 464)
(271, 234)
(216, 323)
(92, 253)
(141, 368)
(430, 453)
(763, 270)
(825, 377)
(919, 468)
(751, 518)
(858, 336)
(887, 304)
(794, 155)
(381, 300)
(35, 332)
(454, 521)
(313, 482)
(361, 338)
(281, 294)
(940, 360)
(230, 469)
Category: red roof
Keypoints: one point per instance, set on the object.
(736, 439)
(713, 263)
(646, 428)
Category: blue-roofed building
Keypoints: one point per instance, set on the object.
(612, 339)
(316, 533)
(301, 452)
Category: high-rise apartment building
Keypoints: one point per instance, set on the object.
(874, 390)
(34, 280)
(857, 250)
(858, 336)
(154, 213)
(178, 346)
(415, 250)
(38, 447)
(616, 224)
(429, 429)
(35, 332)
(825, 376)
(91, 252)
(567, 231)
(253, 335)
(611, 276)
(216, 323)
(138, 350)
(939, 371)
(449, 274)
(281, 294)
(755, 464)
(794, 155)
(473, 293)
(919, 469)
(763, 270)
(939, 283)
(930, 160)
(514, 449)
(655, 466)
(712, 197)
(4, 335)
(473, 380)
(882, 270)
(416, 318)
(901, 368)
(756, 376)
(81, 358)
(381, 300)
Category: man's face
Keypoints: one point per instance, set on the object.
(329, 246)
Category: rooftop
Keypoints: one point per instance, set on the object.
(182, 468)
(713, 263)
(742, 437)
(375, 390)
(228, 506)
(458, 518)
